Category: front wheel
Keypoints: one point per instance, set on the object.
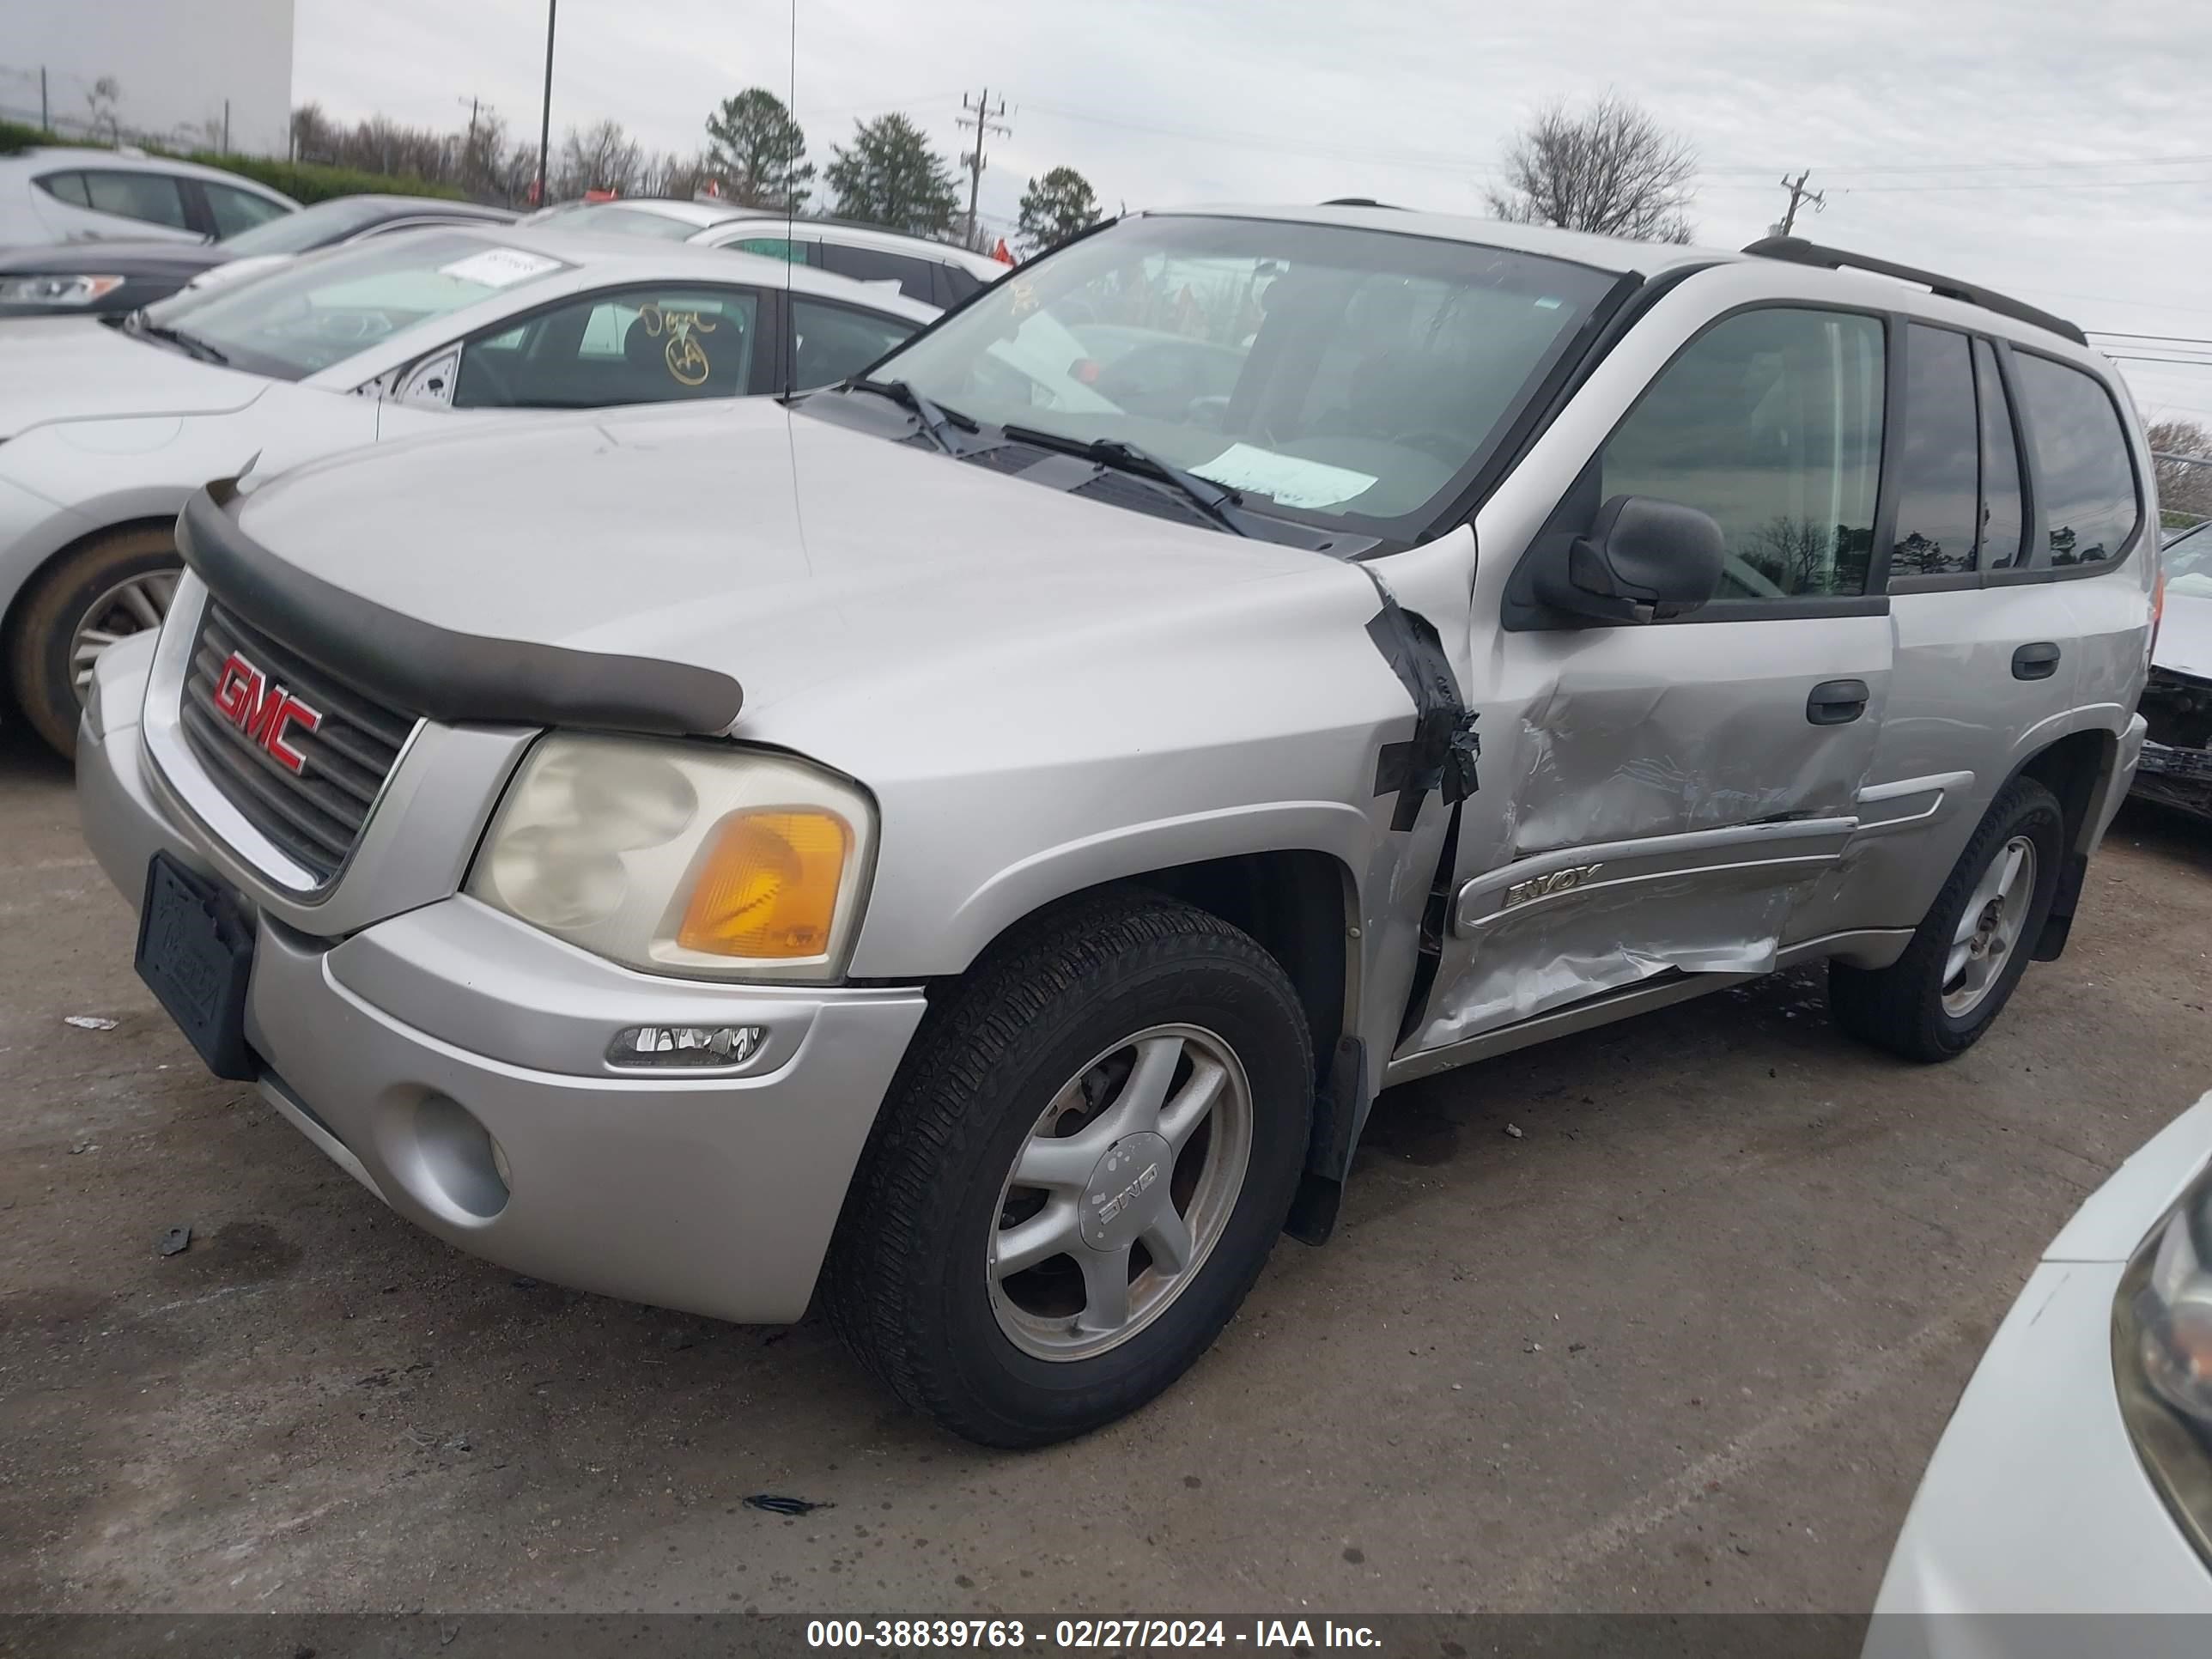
(1970, 949)
(108, 589)
(1079, 1174)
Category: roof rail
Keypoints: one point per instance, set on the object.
(1797, 251)
(1361, 201)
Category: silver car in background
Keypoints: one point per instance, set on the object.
(107, 426)
(971, 844)
(2176, 759)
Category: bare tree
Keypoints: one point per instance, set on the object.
(1610, 168)
(603, 157)
(100, 106)
(2184, 487)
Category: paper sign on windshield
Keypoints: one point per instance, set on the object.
(500, 267)
(1290, 481)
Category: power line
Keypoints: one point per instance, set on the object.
(2131, 357)
(1993, 167)
(2170, 339)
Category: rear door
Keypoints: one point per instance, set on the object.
(1660, 798)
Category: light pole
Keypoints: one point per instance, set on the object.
(545, 110)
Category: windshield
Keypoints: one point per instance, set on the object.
(611, 220)
(2189, 563)
(310, 226)
(1344, 376)
(320, 310)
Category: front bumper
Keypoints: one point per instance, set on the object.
(712, 1194)
(2178, 777)
(2035, 1502)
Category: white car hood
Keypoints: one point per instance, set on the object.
(72, 369)
(2184, 636)
(785, 550)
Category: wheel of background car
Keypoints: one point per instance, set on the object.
(1970, 949)
(107, 589)
(1093, 1146)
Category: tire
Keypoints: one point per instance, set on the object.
(913, 1284)
(120, 574)
(1905, 1008)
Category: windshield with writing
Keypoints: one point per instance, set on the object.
(1336, 375)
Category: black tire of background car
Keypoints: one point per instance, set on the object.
(905, 1284)
(1900, 1008)
(38, 643)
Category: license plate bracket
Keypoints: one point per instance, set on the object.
(196, 954)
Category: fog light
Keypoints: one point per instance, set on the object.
(705, 1046)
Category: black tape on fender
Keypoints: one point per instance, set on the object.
(1441, 755)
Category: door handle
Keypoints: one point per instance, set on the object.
(2038, 661)
(1836, 702)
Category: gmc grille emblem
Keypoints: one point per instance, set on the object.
(265, 711)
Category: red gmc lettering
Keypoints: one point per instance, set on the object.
(265, 711)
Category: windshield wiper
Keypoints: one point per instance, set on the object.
(191, 344)
(934, 418)
(1204, 493)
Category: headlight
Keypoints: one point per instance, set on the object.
(56, 290)
(2163, 1359)
(682, 858)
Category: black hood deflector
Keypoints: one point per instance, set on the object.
(421, 668)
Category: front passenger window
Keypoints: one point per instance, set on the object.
(640, 346)
(1770, 422)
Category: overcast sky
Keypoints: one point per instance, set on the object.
(2053, 149)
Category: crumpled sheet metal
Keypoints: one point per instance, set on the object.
(1559, 952)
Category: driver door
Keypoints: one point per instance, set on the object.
(1658, 798)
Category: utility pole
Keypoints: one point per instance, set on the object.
(1799, 194)
(979, 115)
(545, 116)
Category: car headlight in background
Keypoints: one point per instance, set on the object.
(682, 858)
(56, 290)
(2162, 1358)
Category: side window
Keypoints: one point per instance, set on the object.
(66, 187)
(868, 264)
(1938, 458)
(2004, 516)
(239, 210)
(2083, 477)
(1771, 421)
(780, 247)
(152, 197)
(954, 285)
(831, 342)
(641, 346)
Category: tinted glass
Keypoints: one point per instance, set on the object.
(955, 284)
(779, 247)
(868, 264)
(152, 197)
(1336, 375)
(236, 210)
(2004, 523)
(318, 311)
(66, 187)
(833, 342)
(310, 226)
(1938, 458)
(2084, 481)
(641, 346)
(1771, 421)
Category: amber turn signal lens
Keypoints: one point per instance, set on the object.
(768, 887)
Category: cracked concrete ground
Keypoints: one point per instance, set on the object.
(1685, 1343)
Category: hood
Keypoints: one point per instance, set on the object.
(73, 368)
(2184, 636)
(178, 259)
(787, 552)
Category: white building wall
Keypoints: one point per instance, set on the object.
(173, 62)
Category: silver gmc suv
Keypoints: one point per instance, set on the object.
(969, 845)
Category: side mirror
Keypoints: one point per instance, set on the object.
(1643, 558)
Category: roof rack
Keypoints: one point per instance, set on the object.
(1797, 251)
(1361, 201)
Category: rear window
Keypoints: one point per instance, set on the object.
(153, 197)
(66, 187)
(2085, 482)
(868, 264)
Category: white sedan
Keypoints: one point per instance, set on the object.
(107, 426)
(2075, 1476)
